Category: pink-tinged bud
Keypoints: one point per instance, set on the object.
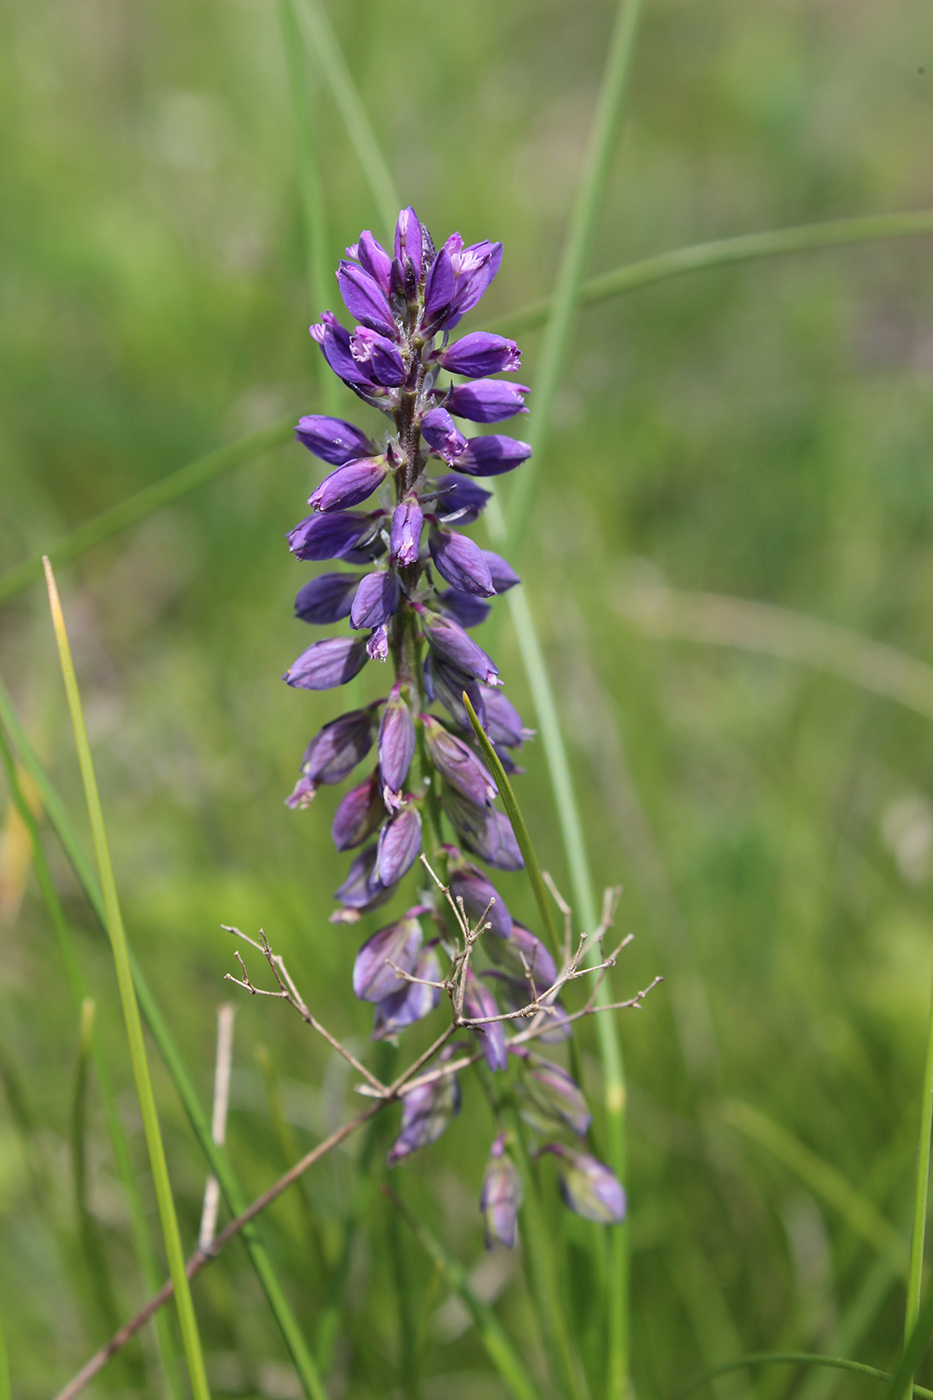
(442, 435)
(487, 400)
(549, 1099)
(326, 664)
(399, 844)
(461, 562)
(398, 944)
(365, 299)
(480, 1004)
(457, 764)
(480, 354)
(426, 1112)
(396, 741)
(333, 439)
(412, 1002)
(376, 599)
(501, 1196)
(405, 534)
(470, 885)
(448, 640)
(588, 1187)
(359, 813)
(350, 484)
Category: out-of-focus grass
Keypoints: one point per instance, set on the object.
(760, 431)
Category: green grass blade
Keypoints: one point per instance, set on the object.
(913, 1353)
(191, 1341)
(724, 252)
(318, 33)
(217, 1159)
(915, 1273)
(6, 1392)
(492, 1335)
(793, 1358)
(137, 507)
(532, 869)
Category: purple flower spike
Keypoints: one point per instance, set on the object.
(350, 484)
(359, 814)
(459, 500)
(464, 608)
(501, 1196)
(461, 562)
(399, 944)
(365, 299)
(405, 534)
(376, 599)
(480, 354)
(327, 598)
(408, 248)
(479, 1003)
(362, 888)
(470, 885)
(412, 1002)
(327, 664)
(426, 1112)
(396, 741)
(551, 1100)
(457, 764)
(588, 1187)
(448, 640)
(374, 259)
(501, 572)
(378, 357)
(487, 400)
(333, 753)
(332, 439)
(335, 535)
(524, 958)
(492, 455)
(441, 433)
(399, 844)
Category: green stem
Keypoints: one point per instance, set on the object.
(191, 1341)
(915, 1275)
(793, 1358)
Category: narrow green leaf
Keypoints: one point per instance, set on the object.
(915, 1273)
(498, 1347)
(191, 1341)
(793, 1358)
(6, 1392)
(913, 1353)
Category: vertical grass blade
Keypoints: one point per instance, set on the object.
(915, 1272)
(191, 1341)
(913, 1352)
(6, 1392)
(321, 40)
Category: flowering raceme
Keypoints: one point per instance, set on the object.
(424, 586)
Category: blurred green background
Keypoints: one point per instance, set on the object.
(761, 432)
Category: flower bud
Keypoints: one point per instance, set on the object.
(349, 485)
(377, 357)
(334, 341)
(334, 752)
(365, 299)
(362, 888)
(408, 249)
(442, 435)
(439, 287)
(412, 1002)
(448, 640)
(475, 267)
(399, 944)
(503, 723)
(524, 958)
(461, 562)
(359, 813)
(396, 741)
(426, 1112)
(550, 1099)
(334, 535)
(447, 684)
(376, 599)
(327, 598)
(465, 608)
(374, 259)
(470, 885)
(377, 648)
(588, 1187)
(479, 354)
(405, 535)
(501, 572)
(501, 1196)
(326, 664)
(487, 400)
(459, 499)
(492, 455)
(479, 1003)
(457, 764)
(399, 844)
(487, 834)
(333, 439)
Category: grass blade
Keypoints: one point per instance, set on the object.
(321, 40)
(6, 1392)
(913, 1353)
(191, 1341)
(793, 1358)
(217, 1159)
(915, 1273)
(137, 507)
(498, 1347)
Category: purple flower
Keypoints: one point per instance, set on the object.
(501, 572)
(487, 834)
(332, 439)
(376, 599)
(480, 1004)
(457, 764)
(327, 598)
(448, 640)
(470, 885)
(501, 1196)
(426, 1111)
(333, 753)
(334, 341)
(409, 243)
(412, 1002)
(442, 435)
(459, 500)
(399, 944)
(487, 400)
(405, 534)
(362, 888)
(350, 484)
(503, 723)
(588, 1187)
(335, 535)
(439, 288)
(365, 300)
(359, 813)
(474, 268)
(524, 958)
(374, 259)
(377, 648)
(480, 354)
(446, 683)
(378, 357)
(461, 562)
(464, 608)
(492, 455)
(550, 1099)
(399, 844)
(326, 664)
(396, 741)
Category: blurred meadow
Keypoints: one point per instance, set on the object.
(761, 786)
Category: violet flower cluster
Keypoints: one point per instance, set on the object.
(417, 588)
